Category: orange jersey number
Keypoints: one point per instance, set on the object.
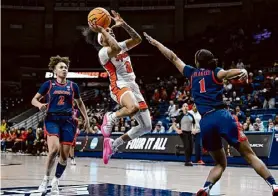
(128, 67)
(61, 100)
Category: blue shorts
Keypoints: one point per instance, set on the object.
(62, 127)
(220, 124)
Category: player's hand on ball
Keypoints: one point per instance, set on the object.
(149, 38)
(119, 21)
(43, 107)
(94, 27)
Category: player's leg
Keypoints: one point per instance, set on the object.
(212, 143)
(144, 125)
(236, 138)
(53, 144)
(67, 136)
(248, 154)
(71, 155)
(129, 105)
(60, 168)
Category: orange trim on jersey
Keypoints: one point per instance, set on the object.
(48, 93)
(72, 98)
(241, 136)
(143, 105)
(62, 85)
(46, 133)
(50, 87)
(119, 93)
(111, 69)
(215, 80)
(190, 82)
(66, 143)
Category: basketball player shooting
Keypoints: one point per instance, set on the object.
(217, 122)
(114, 58)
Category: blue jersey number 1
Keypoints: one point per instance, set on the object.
(202, 86)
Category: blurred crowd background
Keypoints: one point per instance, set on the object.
(241, 34)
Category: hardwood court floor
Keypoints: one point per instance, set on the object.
(21, 175)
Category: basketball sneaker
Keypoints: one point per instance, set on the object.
(107, 150)
(107, 124)
(203, 192)
(275, 190)
(55, 186)
(72, 162)
(44, 184)
(201, 162)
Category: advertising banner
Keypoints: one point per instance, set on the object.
(166, 144)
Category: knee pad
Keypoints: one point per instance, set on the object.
(145, 125)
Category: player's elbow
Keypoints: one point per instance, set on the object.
(173, 58)
(138, 40)
(116, 48)
(33, 101)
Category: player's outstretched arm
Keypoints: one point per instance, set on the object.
(169, 54)
(114, 49)
(240, 74)
(135, 37)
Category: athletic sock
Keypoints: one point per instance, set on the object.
(208, 184)
(118, 142)
(60, 170)
(46, 178)
(270, 180)
(113, 116)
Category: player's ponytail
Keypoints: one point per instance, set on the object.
(91, 38)
(205, 59)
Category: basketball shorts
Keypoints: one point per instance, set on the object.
(220, 124)
(63, 128)
(124, 87)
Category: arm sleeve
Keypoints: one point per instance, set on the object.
(44, 88)
(188, 71)
(103, 56)
(76, 91)
(123, 46)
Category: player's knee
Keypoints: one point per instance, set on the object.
(53, 152)
(133, 109)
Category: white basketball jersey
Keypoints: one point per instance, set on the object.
(119, 68)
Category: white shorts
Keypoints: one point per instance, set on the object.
(125, 87)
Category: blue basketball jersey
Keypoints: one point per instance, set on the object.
(60, 97)
(206, 89)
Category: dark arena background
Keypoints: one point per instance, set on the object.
(240, 34)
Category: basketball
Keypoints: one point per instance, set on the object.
(238, 81)
(101, 16)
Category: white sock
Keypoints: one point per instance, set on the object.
(113, 116)
(46, 177)
(55, 178)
